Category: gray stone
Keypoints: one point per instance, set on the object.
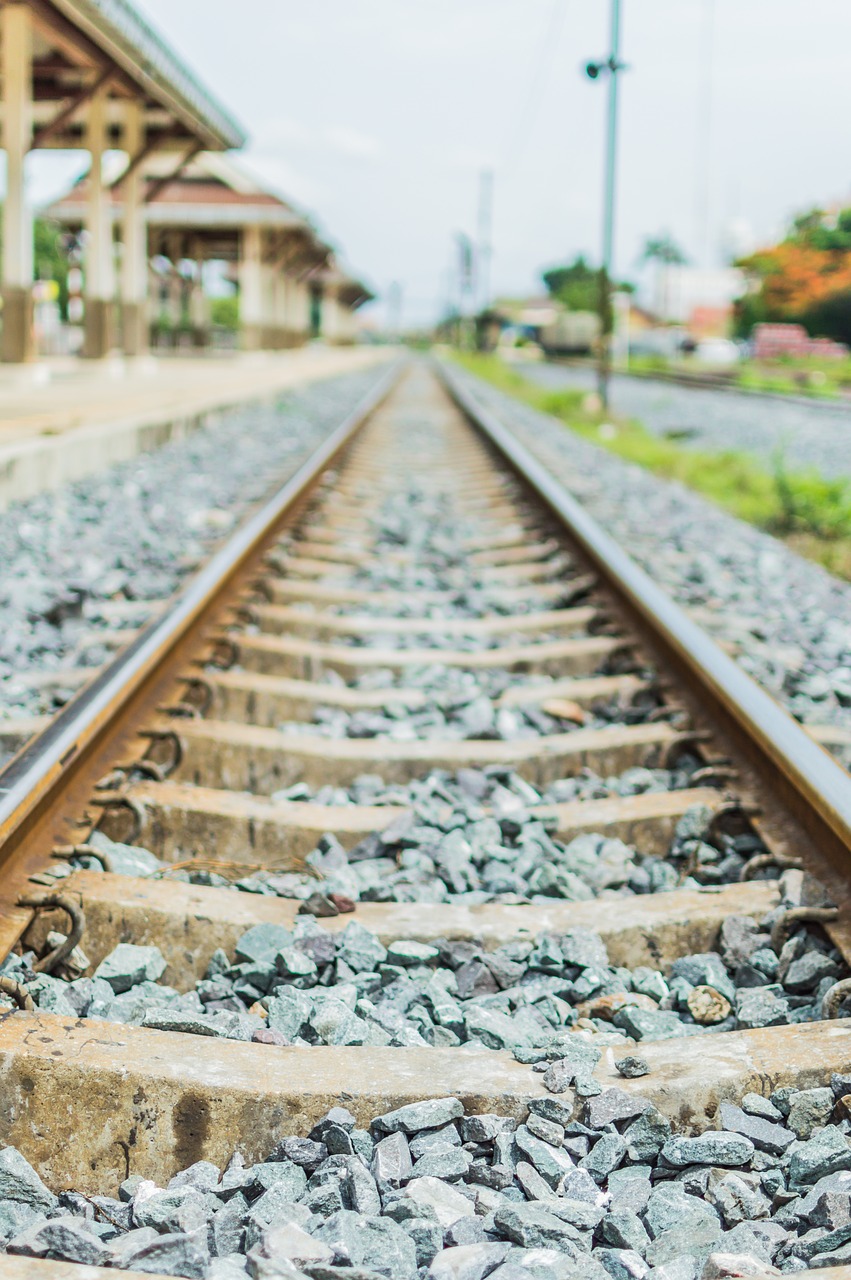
(685, 1267)
(372, 1242)
(359, 1187)
(427, 1237)
(622, 1264)
(810, 1109)
(181, 1209)
(432, 1114)
(760, 1007)
(631, 1067)
(613, 1106)
(391, 1161)
(127, 964)
(719, 1265)
(649, 1024)
(226, 1232)
(360, 949)
(715, 1148)
(737, 1196)
(579, 1185)
(704, 969)
(261, 943)
(546, 1130)
(623, 1229)
(534, 1186)
(557, 1110)
(409, 953)
(805, 973)
(551, 1162)
(584, 948)
(576, 1064)
(670, 1209)
(63, 1238)
(290, 1242)
(754, 1104)
(293, 962)
(302, 1151)
(174, 1254)
(449, 1163)
(534, 1226)
(20, 1183)
(468, 1262)
(447, 1204)
(764, 1134)
(629, 1188)
(826, 1152)
(230, 1267)
(203, 1175)
(605, 1155)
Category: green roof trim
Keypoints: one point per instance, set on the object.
(132, 43)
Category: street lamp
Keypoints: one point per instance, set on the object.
(593, 70)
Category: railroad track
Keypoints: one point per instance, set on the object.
(422, 797)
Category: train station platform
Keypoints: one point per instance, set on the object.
(63, 419)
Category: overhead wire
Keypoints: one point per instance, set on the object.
(537, 81)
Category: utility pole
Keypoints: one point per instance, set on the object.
(611, 66)
(485, 247)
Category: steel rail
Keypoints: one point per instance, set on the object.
(809, 781)
(37, 777)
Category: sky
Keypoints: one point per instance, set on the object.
(379, 116)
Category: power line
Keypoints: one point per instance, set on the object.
(539, 74)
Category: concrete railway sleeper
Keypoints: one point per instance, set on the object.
(443, 904)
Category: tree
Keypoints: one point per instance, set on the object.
(50, 261)
(805, 279)
(577, 285)
(664, 251)
(663, 248)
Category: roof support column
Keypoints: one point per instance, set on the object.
(18, 342)
(134, 262)
(299, 309)
(251, 289)
(199, 310)
(330, 314)
(99, 271)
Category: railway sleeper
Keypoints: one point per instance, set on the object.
(248, 757)
(176, 821)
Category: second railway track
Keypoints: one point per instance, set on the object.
(422, 797)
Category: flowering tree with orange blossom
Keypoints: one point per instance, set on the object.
(806, 279)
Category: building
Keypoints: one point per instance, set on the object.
(291, 286)
(93, 75)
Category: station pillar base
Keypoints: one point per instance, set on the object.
(134, 328)
(18, 341)
(98, 328)
(251, 337)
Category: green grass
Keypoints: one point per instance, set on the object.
(808, 512)
(818, 379)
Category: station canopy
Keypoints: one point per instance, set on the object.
(204, 210)
(83, 46)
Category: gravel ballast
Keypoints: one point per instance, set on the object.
(810, 432)
(305, 985)
(603, 1190)
(131, 533)
(789, 619)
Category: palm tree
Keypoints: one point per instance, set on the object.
(666, 253)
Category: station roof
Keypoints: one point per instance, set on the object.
(205, 208)
(80, 44)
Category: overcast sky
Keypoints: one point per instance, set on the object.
(378, 115)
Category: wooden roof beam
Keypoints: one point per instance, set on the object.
(66, 113)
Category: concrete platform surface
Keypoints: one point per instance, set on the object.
(64, 419)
